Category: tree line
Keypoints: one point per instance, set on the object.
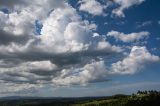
(148, 92)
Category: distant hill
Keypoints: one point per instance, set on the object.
(142, 98)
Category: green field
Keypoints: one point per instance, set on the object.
(143, 99)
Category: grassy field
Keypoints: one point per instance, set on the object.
(133, 100)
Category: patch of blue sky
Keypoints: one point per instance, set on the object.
(4, 10)
(38, 27)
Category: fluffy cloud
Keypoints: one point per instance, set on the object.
(137, 59)
(68, 33)
(91, 6)
(125, 4)
(27, 72)
(65, 43)
(91, 72)
(91, 26)
(96, 71)
(23, 22)
(128, 37)
(67, 51)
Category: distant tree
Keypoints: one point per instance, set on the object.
(145, 92)
(139, 92)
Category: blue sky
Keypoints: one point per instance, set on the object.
(79, 47)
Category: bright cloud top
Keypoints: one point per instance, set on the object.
(125, 4)
(137, 59)
(91, 6)
(128, 37)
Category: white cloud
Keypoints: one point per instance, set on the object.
(68, 33)
(65, 41)
(123, 5)
(95, 35)
(128, 37)
(91, 6)
(62, 31)
(90, 72)
(103, 45)
(19, 24)
(143, 24)
(137, 59)
(22, 18)
(92, 26)
(11, 89)
(62, 53)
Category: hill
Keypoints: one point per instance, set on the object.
(142, 98)
(151, 99)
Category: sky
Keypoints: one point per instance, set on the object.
(77, 48)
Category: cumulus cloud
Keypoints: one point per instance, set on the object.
(128, 37)
(67, 51)
(27, 72)
(65, 43)
(91, 26)
(137, 59)
(91, 6)
(23, 22)
(68, 33)
(123, 5)
(93, 71)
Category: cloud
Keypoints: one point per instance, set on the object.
(91, 26)
(68, 33)
(7, 38)
(66, 43)
(91, 6)
(143, 24)
(123, 5)
(11, 3)
(158, 38)
(32, 72)
(93, 71)
(128, 37)
(96, 71)
(23, 22)
(25, 3)
(137, 59)
(9, 89)
(67, 51)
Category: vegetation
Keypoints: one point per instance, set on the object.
(142, 98)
